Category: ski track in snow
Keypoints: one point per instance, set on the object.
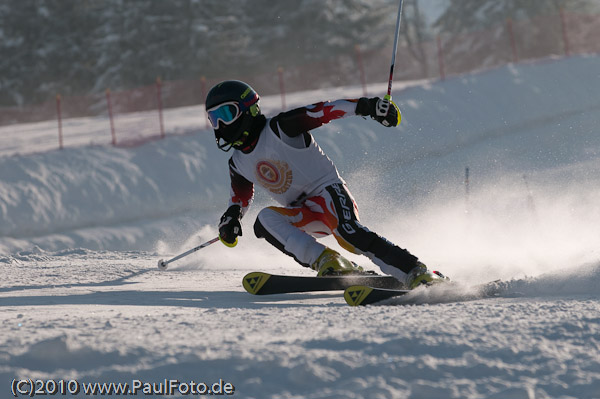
(81, 231)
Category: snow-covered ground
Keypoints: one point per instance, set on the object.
(81, 231)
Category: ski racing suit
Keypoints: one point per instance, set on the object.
(315, 201)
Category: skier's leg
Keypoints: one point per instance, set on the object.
(281, 227)
(293, 231)
(355, 237)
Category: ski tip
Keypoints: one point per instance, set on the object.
(254, 281)
(356, 294)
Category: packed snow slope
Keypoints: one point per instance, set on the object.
(81, 231)
(527, 133)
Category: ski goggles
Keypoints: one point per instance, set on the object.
(227, 113)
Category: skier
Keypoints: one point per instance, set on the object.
(281, 155)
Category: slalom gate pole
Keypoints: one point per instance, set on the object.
(162, 264)
(388, 96)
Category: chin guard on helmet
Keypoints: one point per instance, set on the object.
(224, 145)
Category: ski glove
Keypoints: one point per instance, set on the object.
(230, 227)
(383, 110)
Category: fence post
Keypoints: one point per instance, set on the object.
(160, 107)
(110, 117)
(203, 94)
(361, 69)
(59, 118)
(511, 37)
(281, 87)
(441, 58)
(467, 190)
(563, 23)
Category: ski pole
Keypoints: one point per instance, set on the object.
(388, 96)
(162, 264)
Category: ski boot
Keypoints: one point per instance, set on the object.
(331, 263)
(419, 275)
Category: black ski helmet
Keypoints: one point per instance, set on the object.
(232, 106)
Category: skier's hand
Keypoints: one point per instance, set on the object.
(382, 110)
(230, 227)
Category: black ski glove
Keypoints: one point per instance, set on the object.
(383, 111)
(230, 227)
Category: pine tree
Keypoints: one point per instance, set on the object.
(415, 33)
(86, 46)
(469, 15)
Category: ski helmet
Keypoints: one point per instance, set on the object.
(232, 107)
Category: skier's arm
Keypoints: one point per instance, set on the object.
(300, 120)
(242, 193)
(242, 190)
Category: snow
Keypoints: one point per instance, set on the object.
(82, 229)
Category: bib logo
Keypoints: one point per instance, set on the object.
(275, 176)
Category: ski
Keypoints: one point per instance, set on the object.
(361, 295)
(259, 283)
(365, 295)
